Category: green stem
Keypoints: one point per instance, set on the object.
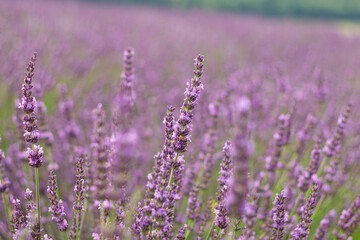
(191, 225)
(67, 236)
(322, 166)
(26, 174)
(295, 207)
(82, 218)
(77, 224)
(209, 233)
(172, 172)
(171, 177)
(6, 210)
(37, 195)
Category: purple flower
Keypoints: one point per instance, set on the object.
(18, 220)
(321, 233)
(332, 145)
(193, 203)
(181, 234)
(224, 173)
(35, 155)
(28, 104)
(220, 210)
(279, 217)
(79, 188)
(4, 182)
(100, 146)
(304, 134)
(183, 125)
(306, 176)
(348, 214)
(280, 139)
(301, 230)
(56, 208)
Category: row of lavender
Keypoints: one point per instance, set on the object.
(279, 110)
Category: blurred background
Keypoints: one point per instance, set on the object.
(286, 56)
(329, 9)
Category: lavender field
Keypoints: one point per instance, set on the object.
(123, 122)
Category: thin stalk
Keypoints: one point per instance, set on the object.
(77, 224)
(322, 166)
(191, 225)
(172, 172)
(37, 195)
(67, 236)
(6, 206)
(209, 233)
(6, 210)
(82, 219)
(26, 174)
(295, 207)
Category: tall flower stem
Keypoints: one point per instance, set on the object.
(210, 231)
(322, 166)
(77, 225)
(37, 196)
(172, 172)
(6, 210)
(82, 220)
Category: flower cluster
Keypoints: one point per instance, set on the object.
(57, 207)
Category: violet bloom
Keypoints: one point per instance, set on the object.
(242, 152)
(205, 217)
(181, 234)
(348, 214)
(28, 104)
(17, 221)
(4, 182)
(35, 155)
(157, 180)
(333, 144)
(301, 230)
(124, 134)
(79, 188)
(183, 126)
(321, 233)
(280, 139)
(304, 134)
(305, 178)
(193, 203)
(224, 173)
(221, 211)
(125, 99)
(279, 217)
(207, 152)
(101, 175)
(31, 217)
(137, 226)
(56, 208)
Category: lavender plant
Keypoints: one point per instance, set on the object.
(290, 173)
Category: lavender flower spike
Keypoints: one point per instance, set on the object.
(333, 144)
(181, 235)
(348, 214)
(302, 229)
(192, 94)
(321, 233)
(279, 217)
(56, 208)
(28, 104)
(221, 211)
(306, 176)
